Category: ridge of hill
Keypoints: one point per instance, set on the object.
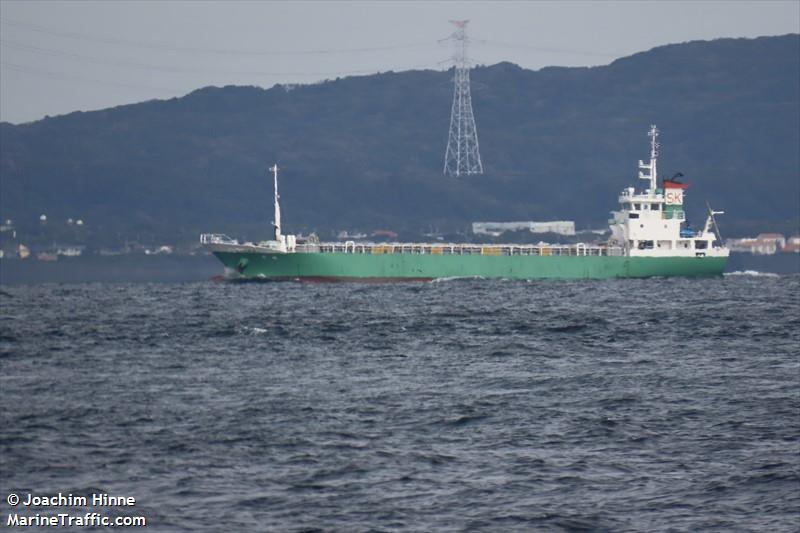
(367, 152)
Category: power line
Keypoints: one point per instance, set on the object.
(180, 69)
(233, 51)
(505, 44)
(193, 50)
(63, 76)
(90, 59)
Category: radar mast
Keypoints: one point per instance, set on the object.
(652, 173)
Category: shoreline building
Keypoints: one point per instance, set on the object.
(495, 229)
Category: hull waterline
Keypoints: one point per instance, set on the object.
(408, 267)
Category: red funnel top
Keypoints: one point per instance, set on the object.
(669, 184)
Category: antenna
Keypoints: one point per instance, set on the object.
(277, 222)
(462, 155)
(651, 167)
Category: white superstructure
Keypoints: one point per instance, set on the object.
(650, 223)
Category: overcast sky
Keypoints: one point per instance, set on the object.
(61, 56)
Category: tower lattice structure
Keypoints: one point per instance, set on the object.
(462, 155)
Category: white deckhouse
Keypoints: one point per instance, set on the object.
(650, 223)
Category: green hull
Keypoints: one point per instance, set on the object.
(366, 267)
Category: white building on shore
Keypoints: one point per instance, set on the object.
(495, 229)
(764, 244)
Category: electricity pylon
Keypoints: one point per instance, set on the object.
(462, 155)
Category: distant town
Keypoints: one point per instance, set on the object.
(70, 238)
(765, 244)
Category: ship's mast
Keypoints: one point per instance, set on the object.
(652, 173)
(277, 222)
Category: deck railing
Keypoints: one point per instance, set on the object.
(351, 247)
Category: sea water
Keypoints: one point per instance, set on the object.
(458, 405)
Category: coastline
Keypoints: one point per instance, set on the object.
(130, 268)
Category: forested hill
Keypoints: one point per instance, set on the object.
(367, 152)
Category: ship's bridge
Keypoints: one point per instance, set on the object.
(649, 204)
(650, 222)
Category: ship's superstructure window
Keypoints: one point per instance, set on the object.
(637, 207)
(700, 244)
(633, 215)
(655, 207)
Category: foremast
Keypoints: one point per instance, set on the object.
(276, 223)
(281, 243)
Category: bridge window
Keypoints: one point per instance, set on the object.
(655, 207)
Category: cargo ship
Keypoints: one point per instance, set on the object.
(649, 237)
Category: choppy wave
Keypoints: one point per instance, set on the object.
(447, 279)
(754, 273)
(477, 405)
(248, 330)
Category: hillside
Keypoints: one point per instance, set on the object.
(367, 152)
